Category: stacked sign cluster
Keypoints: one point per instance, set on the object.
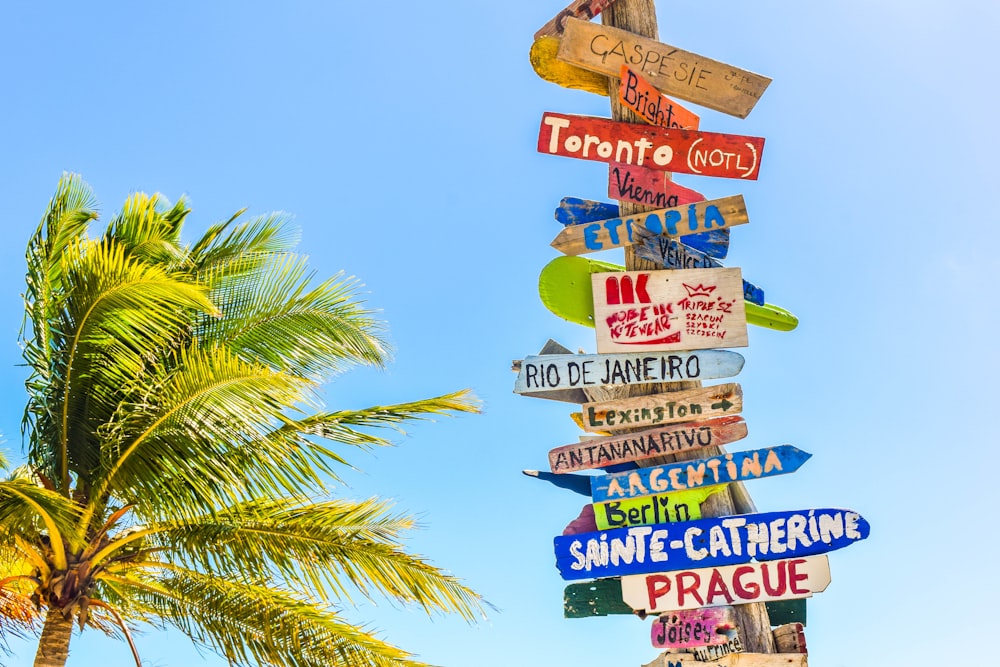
(642, 545)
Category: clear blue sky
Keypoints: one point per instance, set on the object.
(402, 137)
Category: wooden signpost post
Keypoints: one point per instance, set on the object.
(782, 579)
(651, 105)
(693, 309)
(711, 542)
(640, 445)
(710, 83)
(721, 469)
(684, 151)
(692, 628)
(667, 408)
(679, 221)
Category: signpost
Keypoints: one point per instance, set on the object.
(783, 579)
(649, 187)
(668, 408)
(652, 106)
(722, 469)
(712, 542)
(626, 447)
(692, 628)
(689, 76)
(678, 221)
(692, 309)
(684, 151)
(551, 372)
(661, 508)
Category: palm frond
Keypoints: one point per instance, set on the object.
(149, 227)
(229, 249)
(249, 624)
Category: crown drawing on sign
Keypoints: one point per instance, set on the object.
(699, 290)
(621, 290)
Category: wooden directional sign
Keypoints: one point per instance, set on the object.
(693, 627)
(568, 371)
(694, 659)
(651, 105)
(671, 254)
(782, 579)
(717, 651)
(581, 9)
(649, 187)
(681, 151)
(690, 309)
(668, 408)
(715, 542)
(722, 469)
(575, 483)
(565, 288)
(660, 441)
(691, 77)
(550, 68)
(661, 508)
(575, 211)
(703, 216)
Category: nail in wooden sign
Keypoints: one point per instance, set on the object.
(661, 441)
(672, 254)
(649, 187)
(689, 76)
(661, 508)
(548, 67)
(568, 371)
(715, 542)
(703, 216)
(651, 105)
(581, 9)
(788, 578)
(695, 659)
(691, 309)
(693, 627)
(722, 469)
(667, 408)
(575, 211)
(681, 151)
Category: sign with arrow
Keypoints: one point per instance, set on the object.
(784, 579)
(681, 151)
(661, 508)
(689, 76)
(703, 216)
(552, 372)
(651, 105)
(670, 407)
(721, 469)
(693, 627)
(714, 542)
(690, 309)
(649, 187)
(639, 445)
(575, 211)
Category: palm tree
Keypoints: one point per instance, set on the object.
(178, 455)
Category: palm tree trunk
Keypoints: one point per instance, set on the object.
(53, 646)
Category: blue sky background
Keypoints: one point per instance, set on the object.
(403, 139)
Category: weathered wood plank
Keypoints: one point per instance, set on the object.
(669, 408)
(682, 151)
(782, 612)
(722, 469)
(691, 77)
(578, 371)
(676, 221)
(639, 445)
(549, 68)
(660, 508)
(672, 254)
(651, 105)
(565, 288)
(569, 395)
(781, 579)
(712, 653)
(693, 627)
(580, 9)
(689, 309)
(713, 542)
(790, 638)
(729, 660)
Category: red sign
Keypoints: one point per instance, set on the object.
(651, 105)
(682, 151)
(649, 187)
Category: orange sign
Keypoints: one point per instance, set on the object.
(653, 106)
